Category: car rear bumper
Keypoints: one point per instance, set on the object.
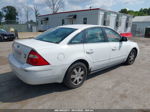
(35, 75)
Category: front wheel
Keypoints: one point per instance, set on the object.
(1, 38)
(76, 75)
(131, 58)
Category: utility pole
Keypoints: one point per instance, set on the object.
(91, 2)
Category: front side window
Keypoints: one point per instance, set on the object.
(77, 39)
(94, 35)
(112, 35)
(55, 35)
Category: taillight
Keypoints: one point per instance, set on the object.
(36, 59)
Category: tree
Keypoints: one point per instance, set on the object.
(55, 5)
(1, 16)
(28, 12)
(36, 12)
(141, 12)
(10, 14)
(125, 11)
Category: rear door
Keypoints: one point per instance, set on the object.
(118, 49)
(97, 48)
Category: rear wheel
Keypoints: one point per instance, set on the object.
(76, 75)
(131, 58)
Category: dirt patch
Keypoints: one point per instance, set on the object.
(3, 60)
(25, 35)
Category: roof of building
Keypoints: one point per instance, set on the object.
(141, 19)
(82, 11)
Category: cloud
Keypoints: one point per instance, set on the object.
(39, 1)
(74, 4)
(129, 2)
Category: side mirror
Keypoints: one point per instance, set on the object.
(124, 39)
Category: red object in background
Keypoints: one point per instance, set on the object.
(126, 35)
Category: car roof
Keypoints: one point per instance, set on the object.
(81, 26)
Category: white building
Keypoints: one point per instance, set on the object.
(141, 26)
(118, 21)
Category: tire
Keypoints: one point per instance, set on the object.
(12, 39)
(76, 75)
(131, 58)
(1, 38)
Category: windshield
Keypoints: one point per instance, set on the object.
(2, 31)
(55, 35)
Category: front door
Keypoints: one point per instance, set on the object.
(118, 49)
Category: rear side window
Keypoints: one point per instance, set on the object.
(55, 35)
(77, 39)
(94, 35)
(112, 35)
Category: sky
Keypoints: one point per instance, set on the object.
(114, 5)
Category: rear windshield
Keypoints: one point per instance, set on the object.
(55, 35)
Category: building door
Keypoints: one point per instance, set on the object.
(147, 32)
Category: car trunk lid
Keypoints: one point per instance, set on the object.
(22, 48)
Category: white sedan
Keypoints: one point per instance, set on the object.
(69, 53)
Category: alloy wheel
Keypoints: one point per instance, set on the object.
(77, 75)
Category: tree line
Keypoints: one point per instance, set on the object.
(141, 12)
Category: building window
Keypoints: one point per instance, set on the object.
(44, 21)
(128, 22)
(63, 21)
(41, 22)
(106, 19)
(118, 20)
(84, 20)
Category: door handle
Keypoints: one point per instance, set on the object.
(90, 51)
